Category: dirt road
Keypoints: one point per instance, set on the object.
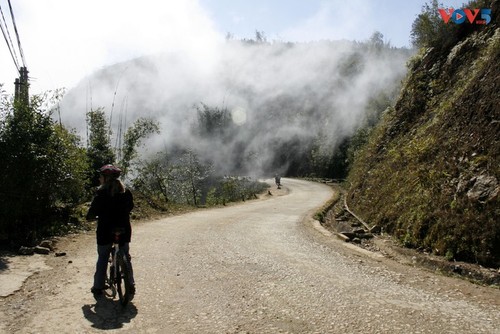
(258, 267)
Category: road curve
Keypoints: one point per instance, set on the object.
(259, 267)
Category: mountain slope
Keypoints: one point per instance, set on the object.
(282, 100)
(430, 173)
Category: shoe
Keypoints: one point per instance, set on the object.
(96, 292)
(131, 292)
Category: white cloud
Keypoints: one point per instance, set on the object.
(64, 41)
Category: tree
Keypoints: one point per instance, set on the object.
(377, 40)
(429, 29)
(192, 173)
(141, 128)
(73, 166)
(155, 178)
(42, 167)
(99, 149)
(213, 122)
(260, 37)
(180, 179)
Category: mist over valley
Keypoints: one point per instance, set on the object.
(275, 102)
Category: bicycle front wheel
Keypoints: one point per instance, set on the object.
(110, 282)
(123, 280)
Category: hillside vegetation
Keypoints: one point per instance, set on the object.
(430, 172)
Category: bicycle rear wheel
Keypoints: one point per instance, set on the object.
(123, 280)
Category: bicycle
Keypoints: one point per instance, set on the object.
(118, 278)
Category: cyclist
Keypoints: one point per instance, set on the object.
(111, 206)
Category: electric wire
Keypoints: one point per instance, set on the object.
(6, 33)
(17, 35)
(6, 36)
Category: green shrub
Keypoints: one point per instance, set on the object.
(43, 167)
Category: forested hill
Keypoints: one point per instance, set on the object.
(430, 173)
(249, 106)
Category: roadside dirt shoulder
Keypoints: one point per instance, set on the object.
(340, 223)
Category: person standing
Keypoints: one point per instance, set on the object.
(111, 206)
(277, 180)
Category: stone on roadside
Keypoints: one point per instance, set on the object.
(350, 235)
(47, 244)
(343, 237)
(42, 250)
(26, 250)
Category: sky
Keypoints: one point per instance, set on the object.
(65, 41)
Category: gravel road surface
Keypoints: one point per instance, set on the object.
(256, 267)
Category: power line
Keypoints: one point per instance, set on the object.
(5, 32)
(17, 35)
(10, 39)
(21, 84)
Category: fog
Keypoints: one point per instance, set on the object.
(275, 92)
(162, 60)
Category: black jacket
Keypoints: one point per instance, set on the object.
(111, 212)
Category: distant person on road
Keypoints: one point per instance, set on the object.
(111, 206)
(277, 179)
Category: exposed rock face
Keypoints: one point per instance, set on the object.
(485, 188)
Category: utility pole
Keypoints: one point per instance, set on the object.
(21, 93)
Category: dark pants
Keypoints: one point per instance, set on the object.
(103, 252)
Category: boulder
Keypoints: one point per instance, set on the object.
(26, 250)
(485, 188)
(42, 250)
(47, 244)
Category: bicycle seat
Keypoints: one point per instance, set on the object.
(118, 230)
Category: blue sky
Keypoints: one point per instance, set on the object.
(303, 20)
(64, 41)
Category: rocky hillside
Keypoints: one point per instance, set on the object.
(430, 174)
